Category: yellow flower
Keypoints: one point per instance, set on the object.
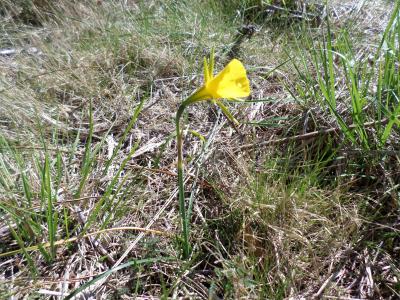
(230, 83)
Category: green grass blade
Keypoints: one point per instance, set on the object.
(392, 121)
(330, 73)
(111, 186)
(133, 263)
(87, 157)
(50, 215)
(128, 128)
(28, 257)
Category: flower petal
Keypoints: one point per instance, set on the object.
(231, 82)
(211, 64)
(206, 71)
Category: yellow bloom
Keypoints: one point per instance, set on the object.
(230, 83)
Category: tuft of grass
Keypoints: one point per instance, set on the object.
(335, 66)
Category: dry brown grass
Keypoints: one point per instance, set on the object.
(267, 221)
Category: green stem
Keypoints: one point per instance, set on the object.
(197, 96)
(181, 187)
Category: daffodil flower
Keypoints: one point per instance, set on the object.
(230, 83)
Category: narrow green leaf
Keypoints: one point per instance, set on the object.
(128, 128)
(133, 263)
